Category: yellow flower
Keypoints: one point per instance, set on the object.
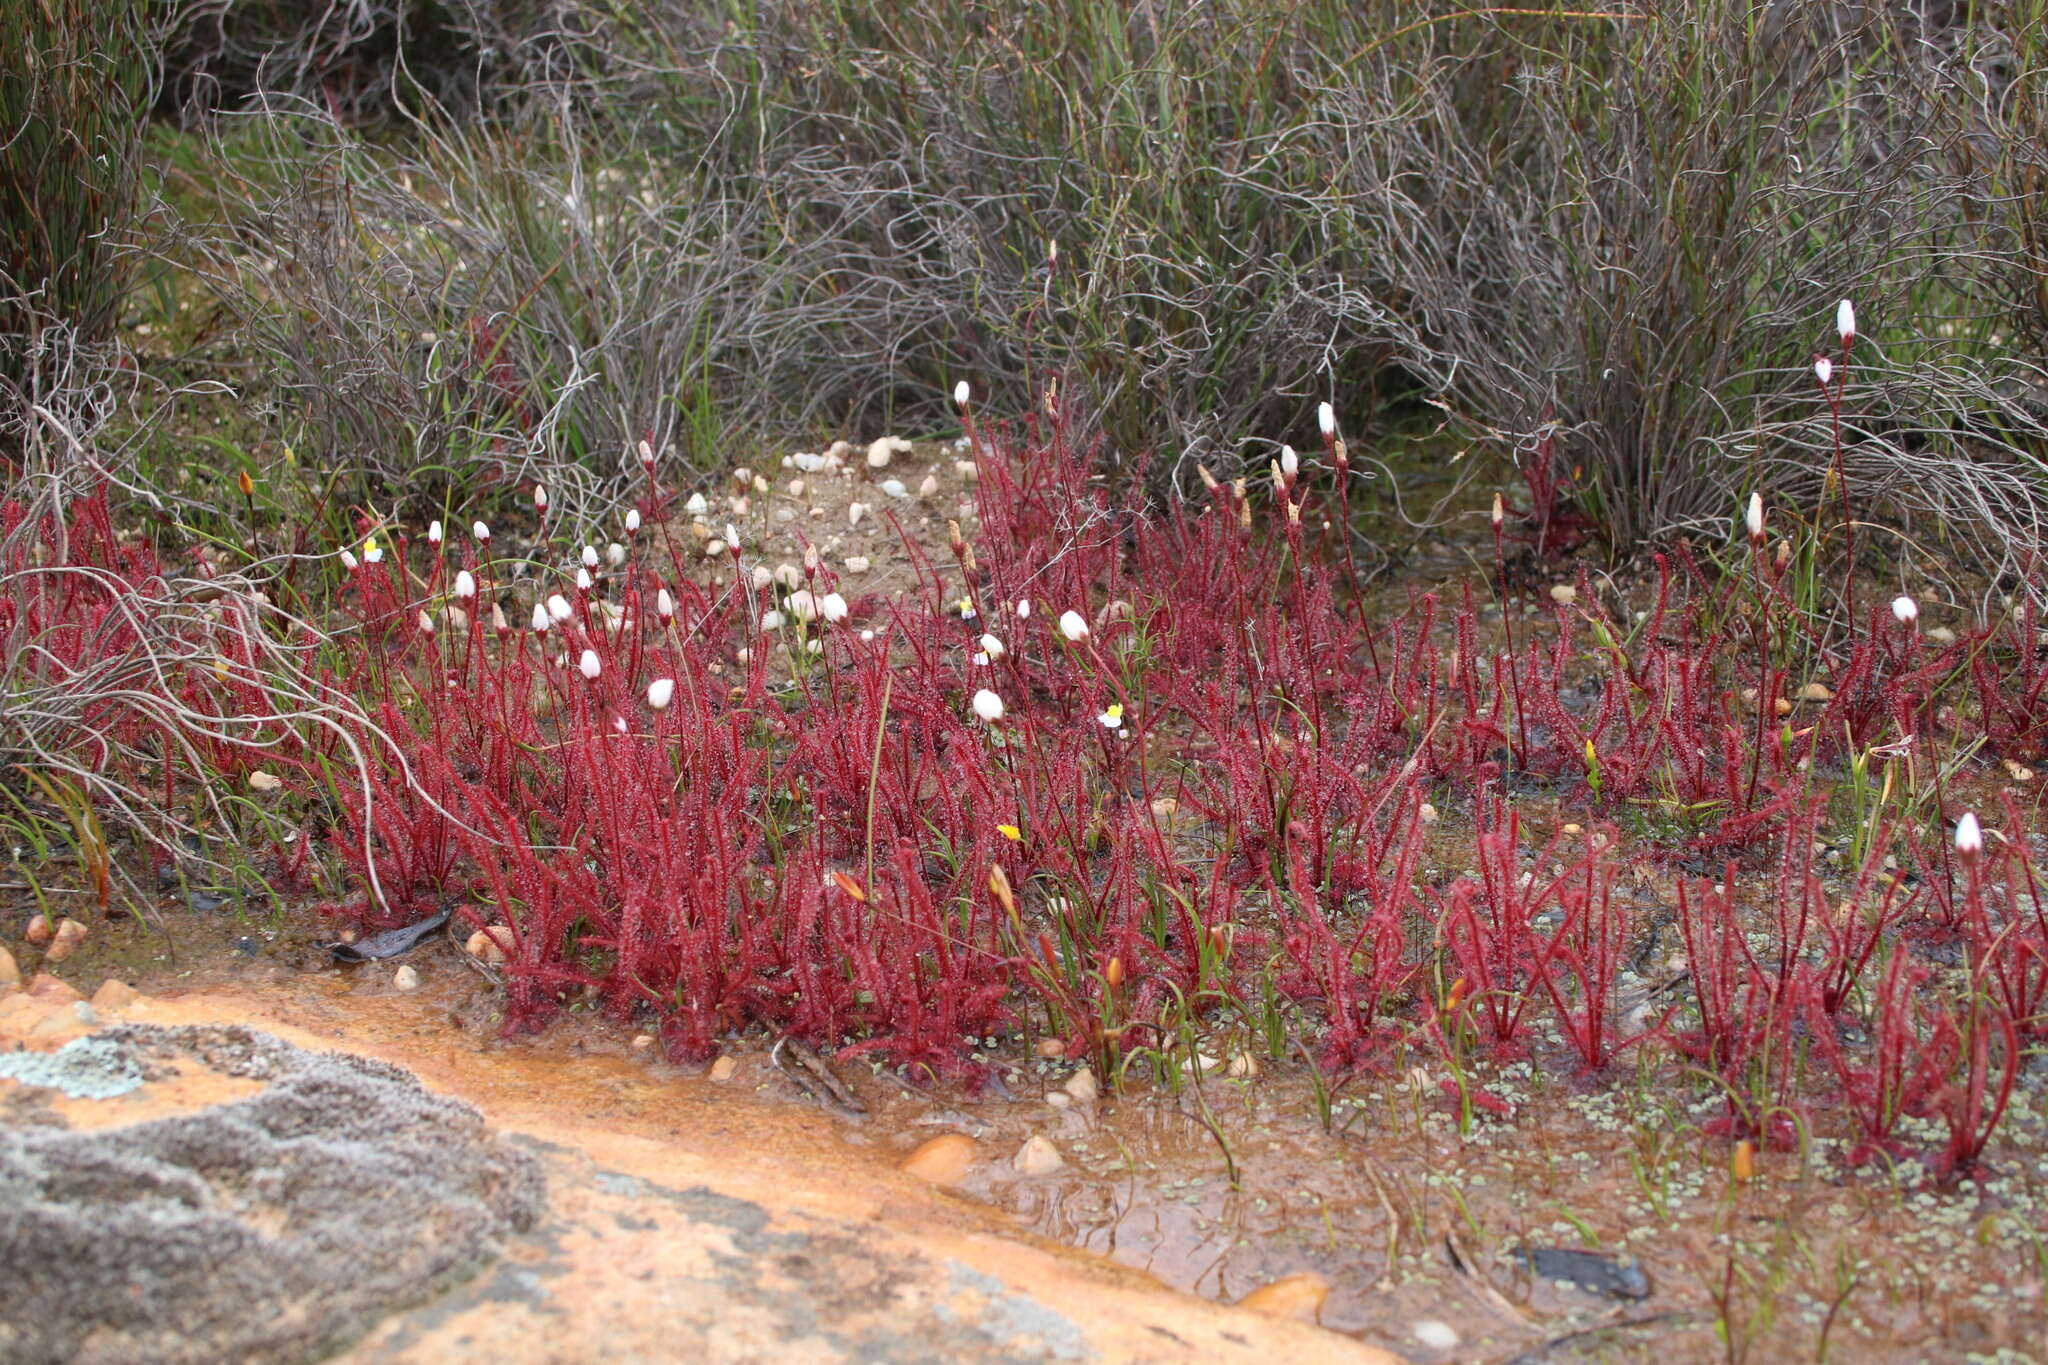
(1011, 832)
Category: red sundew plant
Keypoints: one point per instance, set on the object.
(1065, 782)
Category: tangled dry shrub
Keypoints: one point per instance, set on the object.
(1633, 240)
(1622, 230)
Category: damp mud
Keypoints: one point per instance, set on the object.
(1050, 1214)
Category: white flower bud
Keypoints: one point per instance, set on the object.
(589, 557)
(1845, 321)
(589, 666)
(1074, 625)
(465, 584)
(1290, 463)
(988, 706)
(615, 554)
(480, 531)
(660, 693)
(540, 497)
(433, 533)
(664, 605)
(1969, 837)
(833, 607)
(584, 581)
(991, 646)
(1823, 369)
(961, 393)
(1326, 418)
(1023, 609)
(559, 608)
(1753, 518)
(632, 520)
(1905, 610)
(348, 560)
(540, 617)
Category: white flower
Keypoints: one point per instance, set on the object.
(1113, 718)
(373, 553)
(1823, 368)
(961, 393)
(465, 584)
(433, 533)
(589, 666)
(1074, 626)
(1753, 519)
(665, 605)
(833, 607)
(1845, 321)
(559, 608)
(1290, 463)
(771, 620)
(584, 581)
(696, 506)
(660, 693)
(988, 706)
(348, 560)
(540, 617)
(619, 724)
(1326, 418)
(1023, 609)
(589, 557)
(1969, 836)
(615, 554)
(479, 530)
(991, 646)
(1905, 610)
(980, 660)
(632, 521)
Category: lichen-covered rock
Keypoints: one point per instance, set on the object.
(271, 1228)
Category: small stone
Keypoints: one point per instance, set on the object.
(52, 991)
(114, 996)
(1243, 1067)
(856, 563)
(2018, 772)
(1814, 691)
(713, 548)
(894, 488)
(1574, 829)
(1438, 1336)
(1942, 635)
(722, 1069)
(1782, 707)
(1037, 1157)
(1564, 594)
(642, 1041)
(1059, 1099)
(70, 933)
(1165, 807)
(854, 512)
(967, 469)
(929, 486)
(1295, 1296)
(1051, 1047)
(264, 782)
(84, 1013)
(489, 945)
(1081, 1085)
(887, 448)
(406, 978)
(10, 972)
(1426, 813)
(944, 1160)
(38, 930)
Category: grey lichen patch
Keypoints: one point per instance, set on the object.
(271, 1228)
(95, 1068)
